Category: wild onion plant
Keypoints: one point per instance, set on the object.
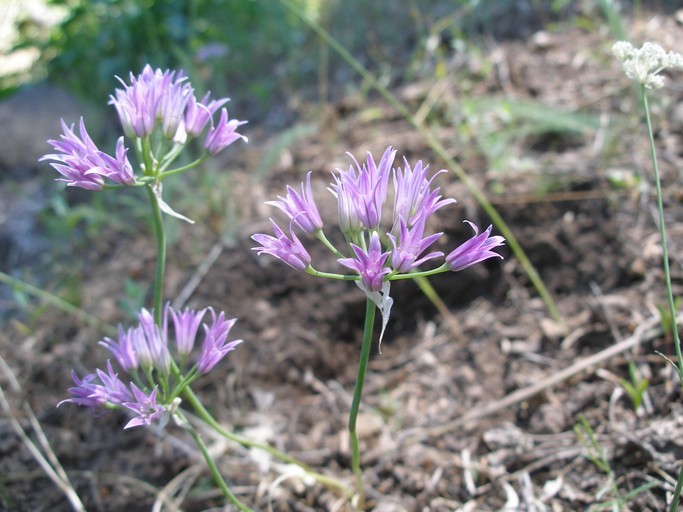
(377, 253)
(644, 66)
(161, 356)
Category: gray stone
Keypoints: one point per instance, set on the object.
(28, 119)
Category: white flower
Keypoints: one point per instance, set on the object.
(644, 64)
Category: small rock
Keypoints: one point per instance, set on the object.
(368, 424)
(542, 40)
(28, 119)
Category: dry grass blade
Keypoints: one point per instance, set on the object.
(647, 330)
(47, 461)
(178, 486)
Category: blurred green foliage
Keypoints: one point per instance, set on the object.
(255, 50)
(215, 41)
(253, 47)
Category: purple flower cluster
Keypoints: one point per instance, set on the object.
(155, 99)
(144, 350)
(83, 165)
(361, 193)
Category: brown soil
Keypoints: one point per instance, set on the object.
(433, 437)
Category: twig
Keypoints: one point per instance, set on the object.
(52, 468)
(200, 273)
(647, 330)
(176, 485)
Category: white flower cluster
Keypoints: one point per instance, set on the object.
(644, 64)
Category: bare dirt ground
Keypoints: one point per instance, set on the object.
(448, 421)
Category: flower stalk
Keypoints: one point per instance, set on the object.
(355, 404)
(644, 66)
(160, 238)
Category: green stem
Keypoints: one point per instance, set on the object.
(218, 478)
(340, 277)
(321, 236)
(160, 235)
(248, 443)
(436, 145)
(667, 274)
(357, 393)
(662, 234)
(164, 173)
(676, 498)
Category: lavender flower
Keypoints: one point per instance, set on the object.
(175, 94)
(145, 406)
(137, 103)
(300, 208)
(126, 349)
(476, 249)
(156, 341)
(214, 347)
(197, 115)
(414, 197)
(145, 346)
(223, 134)
(289, 250)
(186, 324)
(369, 264)
(118, 169)
(99, 389)
(410, 245)
(85, 392)
(83, 165)
(361, 192)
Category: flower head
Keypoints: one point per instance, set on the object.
(409, 245)
(83, 165)
(289, 250)
(223, 133)
(300, 208)
(215, 345)
(414, 197)
(137, 103)
(175, 94)
(144, 406)
(198, 114)
(645, 64)
(476, 249)
(145, 346)
(362, 191)
(99, 389)
(369, 264)
(126, 348)
(186, 324)
(152, 96)
(155, 339)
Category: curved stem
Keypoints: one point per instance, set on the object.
(321, 236)
(248, 443)
(218, 478)
(340, 277)
(160, 236)
(357, 393)
(177, 170)
(662, 234)
(422, 273)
